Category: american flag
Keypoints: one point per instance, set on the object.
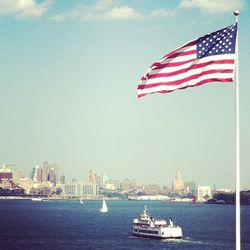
(206, 59)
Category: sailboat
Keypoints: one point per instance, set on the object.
(81, 201)
(104, 208)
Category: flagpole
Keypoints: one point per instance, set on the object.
(237, 144)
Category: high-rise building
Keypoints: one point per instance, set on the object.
(62, 178)
(52, 178)
(103, 180)
(50, 172)
(92, 176)
(98, 181)
(190, 186)
(37, 174)
(178, 183)
(45, 171)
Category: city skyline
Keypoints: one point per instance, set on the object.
(177, 181)
(69, 73)
(46, 179)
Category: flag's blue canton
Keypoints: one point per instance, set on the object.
(217, 43)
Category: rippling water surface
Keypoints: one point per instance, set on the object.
(66, 225)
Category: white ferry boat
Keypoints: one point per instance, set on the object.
(146, 226)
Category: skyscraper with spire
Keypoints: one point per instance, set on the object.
(178, 183)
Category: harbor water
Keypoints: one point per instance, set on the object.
(66, 225)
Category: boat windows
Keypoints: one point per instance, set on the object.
(148, 231)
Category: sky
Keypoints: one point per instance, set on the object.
(69, 72)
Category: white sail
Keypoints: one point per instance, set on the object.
(81, 201)
(104, 208)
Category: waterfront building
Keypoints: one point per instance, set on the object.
(79, 188)
(68, 190)
(152, 189)
(128, 184)
(15, 169)
(42, 190)
(26, 184)
(116, 184)
(112, 185)
(178, 183)
(125, 184)
(73, 189)
(202, 193)
(109, 186)
(6, 178)
(89, 189)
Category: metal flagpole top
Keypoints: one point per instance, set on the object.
(236, 14)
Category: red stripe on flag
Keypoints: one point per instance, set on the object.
(197, 84)
(191, 43)
(184, 70)
(177, 82)
(182, 53)
(172, 64)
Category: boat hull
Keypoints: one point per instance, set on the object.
(157, 233)
(103, 210)
(156, 236)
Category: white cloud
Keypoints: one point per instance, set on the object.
(24, 8)
(122, 13)
(103, 10)
(213, 6)
(162, 13)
